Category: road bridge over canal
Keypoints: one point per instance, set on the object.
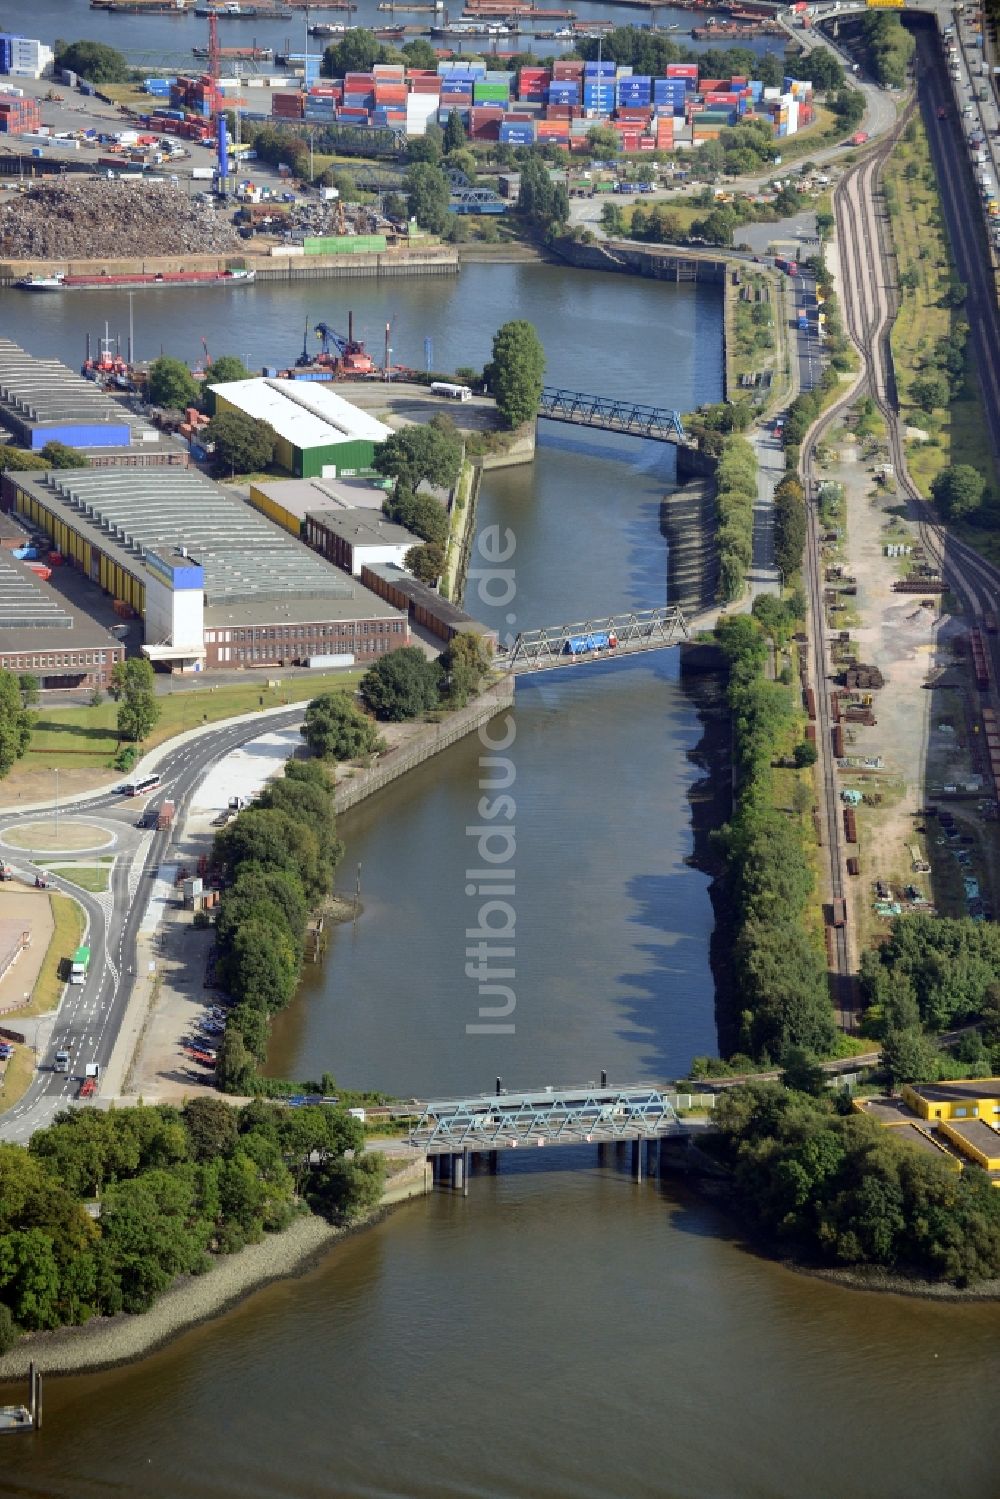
(580, 410)
(607, 638)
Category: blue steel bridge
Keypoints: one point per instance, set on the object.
(656, 422)
(449, 1131)
(604, 638)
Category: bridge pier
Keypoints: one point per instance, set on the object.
(652, 1157)
(460, 1172)
(637, 1160)
(494, 1156)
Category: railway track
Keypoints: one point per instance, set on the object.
(871, 303)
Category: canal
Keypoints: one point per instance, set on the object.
(560, 1332)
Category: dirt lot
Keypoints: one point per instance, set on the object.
(23, 910)
(924, 738)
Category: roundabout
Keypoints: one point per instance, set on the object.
(58, 836)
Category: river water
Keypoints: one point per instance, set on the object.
(165, 41)
(560, 1332)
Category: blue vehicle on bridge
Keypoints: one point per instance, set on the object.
(581, 645)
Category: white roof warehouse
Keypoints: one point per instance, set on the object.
(318, 434)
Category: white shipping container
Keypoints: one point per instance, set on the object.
(328, 663)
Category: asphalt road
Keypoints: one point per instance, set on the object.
(88, 1022)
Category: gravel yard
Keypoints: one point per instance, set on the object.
(93, 218)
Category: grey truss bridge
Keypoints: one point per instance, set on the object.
(581, 410)
(608, 638)
(582, 1115)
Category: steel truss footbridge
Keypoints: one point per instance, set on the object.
(659, 423)
(583, 1115)
(602, 639)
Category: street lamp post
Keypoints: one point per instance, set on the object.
(57, 801)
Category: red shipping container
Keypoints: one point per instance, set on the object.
(647, 143)
(639, 116)
(485, 130)
(559, 112)
(567, 71)
(359, 83)
(710, 85)
(682, 70)
(390, 94)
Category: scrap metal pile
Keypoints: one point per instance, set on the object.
(97, 219)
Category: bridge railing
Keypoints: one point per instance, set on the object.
(611, 414)
(577, 1117)
(600, 638)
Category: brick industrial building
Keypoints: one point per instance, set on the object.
(215, 583)
(43, 636)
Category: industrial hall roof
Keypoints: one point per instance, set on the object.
(178, 513)
(303, 412)
(43, 390)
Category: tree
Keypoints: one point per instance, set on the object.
(243, 444)
(211, 1128)
(612, 219)
(958, 490)
(603, 140)
(420, 513)
(426, 148)
(401, 685)
(59, 455)
(805, 754)
(172, 384)
(420, 54)
(930, 390)
(395, 207)
(28, 688)
(428, 197)
(426, 562)
(222, 371)
(8, 1332)
(802, 1073)
(465, 662)
(357, 53)
(132, 688)
(540, 197)
(95, 62)
(516, 372)
(19, 459)
(430, 454)
(15, 722)
(335, 729)
(454, 133)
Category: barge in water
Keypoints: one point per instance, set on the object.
(137, 281)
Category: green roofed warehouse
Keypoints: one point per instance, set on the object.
(318, 435)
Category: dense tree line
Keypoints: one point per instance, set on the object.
(777, 966)
(15, 722)
(278, 858)
(840, 1189)
(175, 1187)
(951, 968)
(789, 525)
(889, 46)
(736, 492)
